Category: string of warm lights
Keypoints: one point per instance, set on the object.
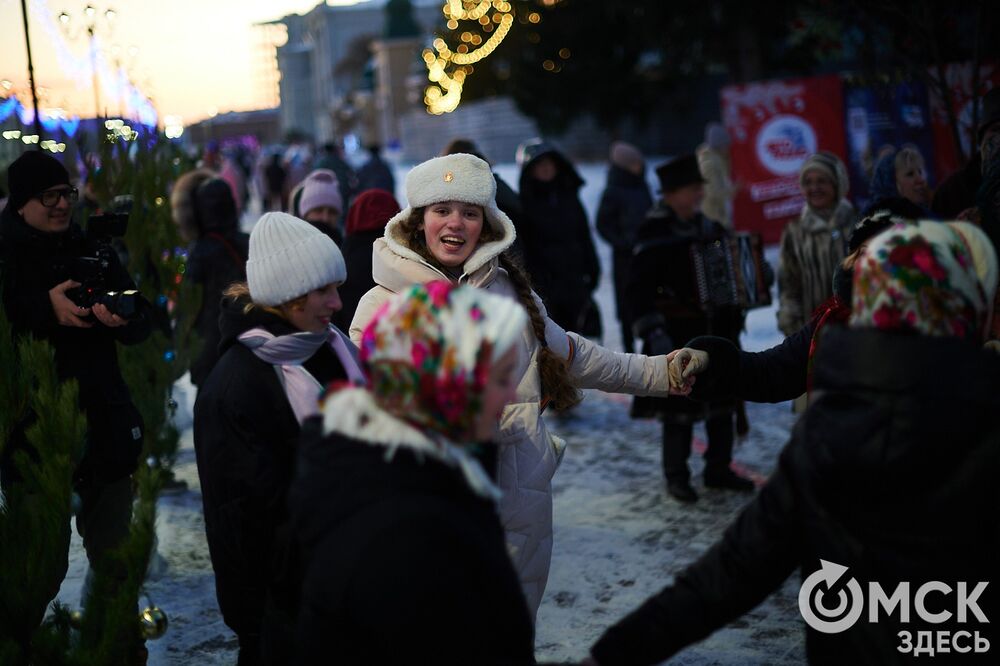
(448, 68)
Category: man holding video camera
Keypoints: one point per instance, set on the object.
(44, 258)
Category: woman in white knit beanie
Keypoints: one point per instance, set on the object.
(278, 351)
(452, 229)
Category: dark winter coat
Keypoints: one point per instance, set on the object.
(958, 191)
(662, 287)
(328, 231)
(621, 213)
(891, 472)
(357, 251)
(275, 175)
(558, 249)
(216, 260)
(509, 202)
(33, 262)
(375, 174)
(405, 564)
(347, 180)
(245, 438)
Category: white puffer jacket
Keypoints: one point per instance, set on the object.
(529, 454)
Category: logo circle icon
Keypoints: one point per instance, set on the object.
(784, 143)
(813, 608)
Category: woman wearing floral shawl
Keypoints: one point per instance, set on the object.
(890, 475)
(405, 555)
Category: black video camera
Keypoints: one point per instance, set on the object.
(94, 272)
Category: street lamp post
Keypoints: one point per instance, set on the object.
(31, 73)
(123, 71)
(91, 16)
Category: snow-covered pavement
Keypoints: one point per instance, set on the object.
(618, 537)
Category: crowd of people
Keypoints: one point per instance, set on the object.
(375, 464)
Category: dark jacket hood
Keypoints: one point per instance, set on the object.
(568, 177)
(215, 207)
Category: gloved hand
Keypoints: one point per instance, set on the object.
(684, 365)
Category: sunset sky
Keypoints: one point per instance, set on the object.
(193, 57)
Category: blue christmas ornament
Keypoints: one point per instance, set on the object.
(168, 356)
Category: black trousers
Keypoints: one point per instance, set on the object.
(677, 447)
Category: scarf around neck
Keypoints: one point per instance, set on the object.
(287, 353)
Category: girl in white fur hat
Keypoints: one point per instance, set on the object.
(452, 229)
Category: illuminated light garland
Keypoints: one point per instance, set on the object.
(447, 69)
(52, 119)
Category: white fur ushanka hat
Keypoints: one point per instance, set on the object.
(458, 177)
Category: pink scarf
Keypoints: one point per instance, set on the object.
(287, 353)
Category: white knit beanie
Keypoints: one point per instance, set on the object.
(289, 258)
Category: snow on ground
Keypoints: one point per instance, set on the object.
(618, 537)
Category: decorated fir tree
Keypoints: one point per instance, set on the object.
(35, 513)
(37, 410)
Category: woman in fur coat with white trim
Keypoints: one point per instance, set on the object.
(453, 230)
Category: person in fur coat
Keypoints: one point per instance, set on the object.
(813, 245)
(205, 212)
(453, 230)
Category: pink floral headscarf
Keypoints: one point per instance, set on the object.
(428, 351)
(920, 277)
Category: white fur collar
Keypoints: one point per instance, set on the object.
(352, 412)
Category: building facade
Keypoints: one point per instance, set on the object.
(317, 89)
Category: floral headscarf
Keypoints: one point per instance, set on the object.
(919, 277)
(428, 351)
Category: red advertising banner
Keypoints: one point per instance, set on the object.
(959, 78)
(774, 126)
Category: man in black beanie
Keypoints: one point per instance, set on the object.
(39, 251)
